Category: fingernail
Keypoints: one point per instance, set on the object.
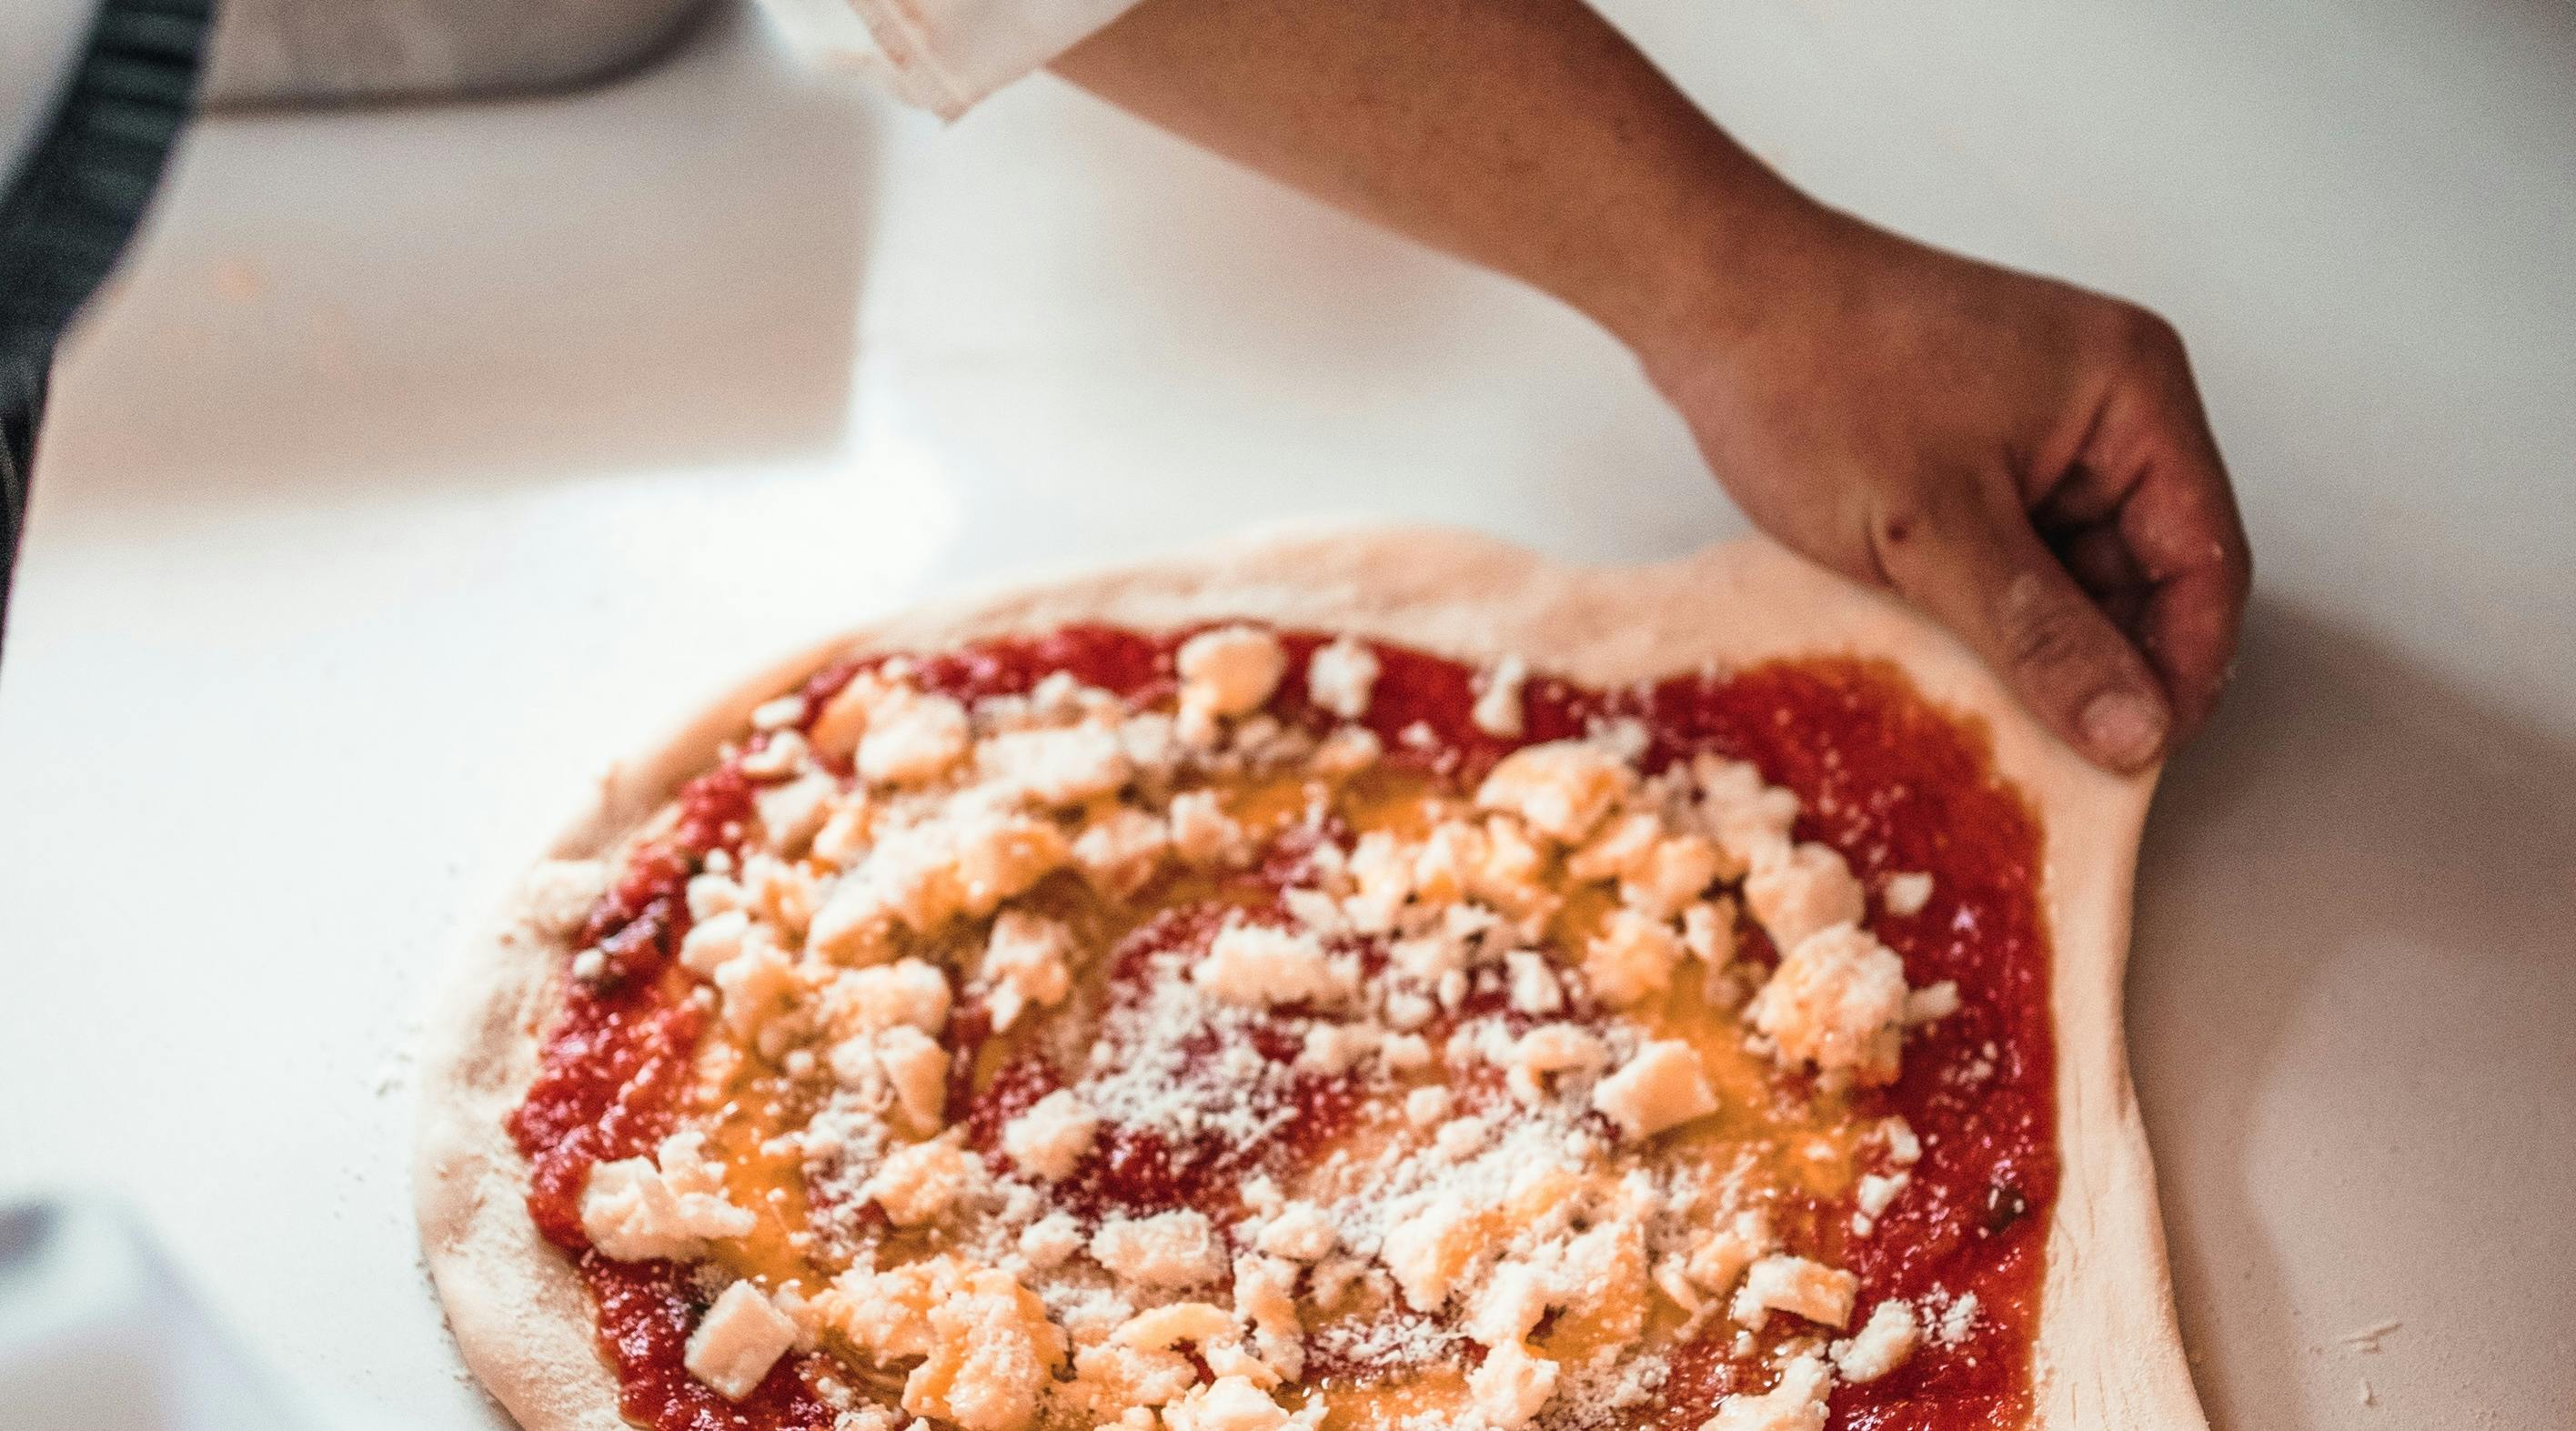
(2124, 727)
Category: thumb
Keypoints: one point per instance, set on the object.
(1985, 574)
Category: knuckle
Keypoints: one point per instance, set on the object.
(2145, 336)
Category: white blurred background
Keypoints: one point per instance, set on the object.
(426, 455)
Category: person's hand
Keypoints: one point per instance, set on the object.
(2025, 461)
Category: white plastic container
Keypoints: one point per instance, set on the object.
(302, 51)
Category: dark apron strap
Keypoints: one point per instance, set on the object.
(75, 199)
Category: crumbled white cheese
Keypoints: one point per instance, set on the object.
(1162, 1328)
(1300, 1232)
(1230, 1403)
(1796, 890)
(1057, 768)
(1408, 1010)
(1903, 1148)
(1672, 1278)
(1168, 1249)
(742, 1336)
(912, 737)
(1932, 1003)
(1796, 1403)
(1670, 875)
(1876, 1191)
(844, 835)
(1120, 850)
(713, 893)
(1117, 1385)
(1561, 788)
(1048, 1242)
(1265, 1293)
(1260, 965)
(887, 1314)
(758, 984)
(1551, 1049)
(1334, 1277)
(1511, 1386)
(778, 891)
(908, 992)
(669, 1206)
(1431, 1251)
(1459, 1138)
(1534, 989)
(779, 712)
(1906, 894)
(1498, 698)
(993, 1355)
(1349, 750)
(1745, 815)
(714, 940)
(1794, 1284)
(792, 814)
(1631, 958)
(837, 726)
(997, 858)
(895, 1068)
(1718, 1260)
(1335, 1049)
(1663, 1086)
(920, 1181)
(1381, 867)
(1708, 932)
(966, 861)
(1621, 844)
(1025, 966)
(782, 754)
(916, 1070)
(1341, 676)
(1881, 1345)
(1051, 1138)
(1202, 833)
(1837, 1001)
(1514, 1300)
(1229, 671)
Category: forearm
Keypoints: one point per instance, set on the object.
(1953, 431)
(1524, 135)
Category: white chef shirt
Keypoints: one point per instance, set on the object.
(943, 55)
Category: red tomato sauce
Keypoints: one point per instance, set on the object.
(1138, 1172)
(1883, 776)
(609, 1079)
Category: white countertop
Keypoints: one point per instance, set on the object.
(424, 458)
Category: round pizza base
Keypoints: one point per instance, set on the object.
(2108, 1353)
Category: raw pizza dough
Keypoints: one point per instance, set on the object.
(2109, 1353)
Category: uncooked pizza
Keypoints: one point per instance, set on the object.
(1270, 992)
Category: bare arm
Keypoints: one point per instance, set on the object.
(2025, 460)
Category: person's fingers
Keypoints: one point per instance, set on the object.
(2098, 557)
(2196, 589)
(2081, 497)
(2177, 519)
(1979, 568)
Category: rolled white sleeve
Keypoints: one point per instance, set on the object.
(943, 55)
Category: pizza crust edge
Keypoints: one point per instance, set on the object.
(2109, 1349)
